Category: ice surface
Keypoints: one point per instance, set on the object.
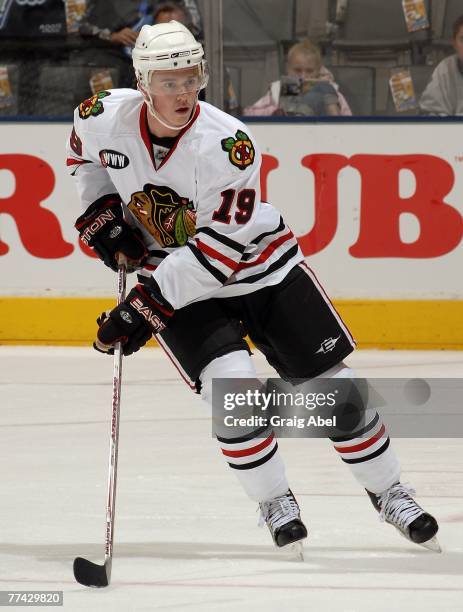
(186, 536)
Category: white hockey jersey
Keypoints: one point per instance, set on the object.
(200, 212)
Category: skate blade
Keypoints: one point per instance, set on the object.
(432, 544)
(295, 550)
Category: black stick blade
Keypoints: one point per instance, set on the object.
(91, 574)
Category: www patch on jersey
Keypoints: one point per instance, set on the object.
(168, 217)
(113, 159)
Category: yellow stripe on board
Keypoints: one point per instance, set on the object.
(424, 324)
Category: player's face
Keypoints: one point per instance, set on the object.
(458, 44)
(304, 66)
(175, 93)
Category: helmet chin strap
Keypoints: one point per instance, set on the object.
(157, 116)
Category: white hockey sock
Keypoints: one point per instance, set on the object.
(369, 455)
(253, 457)
(367, 450)
(258, 466)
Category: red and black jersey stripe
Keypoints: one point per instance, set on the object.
(224, 240)
(279, 263)
(247, 256)
(260, 237)
(202, 259)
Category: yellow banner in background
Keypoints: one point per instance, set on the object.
(389, 324)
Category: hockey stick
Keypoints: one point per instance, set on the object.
(86, 572)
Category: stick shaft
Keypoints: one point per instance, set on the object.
(114, 437)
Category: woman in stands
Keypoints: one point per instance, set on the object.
(307, 89)
(444, 93)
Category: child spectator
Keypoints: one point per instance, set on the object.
(307, 89)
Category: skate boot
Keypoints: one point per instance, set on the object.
(397, 507)
(283, 519)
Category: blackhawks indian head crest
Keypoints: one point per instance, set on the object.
(92, 107)
(167, 216)
(240, 150)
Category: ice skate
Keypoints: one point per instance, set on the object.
(283, 519)
(397, 507)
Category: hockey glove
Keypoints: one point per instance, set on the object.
(103, 228)
(143, 312)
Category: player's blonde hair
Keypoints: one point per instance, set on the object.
(305, 47)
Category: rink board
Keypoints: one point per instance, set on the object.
(422, 324)
(377, 209)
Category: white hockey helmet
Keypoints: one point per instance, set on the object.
(167, 46)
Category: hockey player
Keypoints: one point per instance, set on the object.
(173, 185)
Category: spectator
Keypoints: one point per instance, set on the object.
(184, 11)
(113, 26)
(308, 88)
(444, 93)
(171, 11)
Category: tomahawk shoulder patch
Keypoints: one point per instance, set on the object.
(241, 152)
(92, 107)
